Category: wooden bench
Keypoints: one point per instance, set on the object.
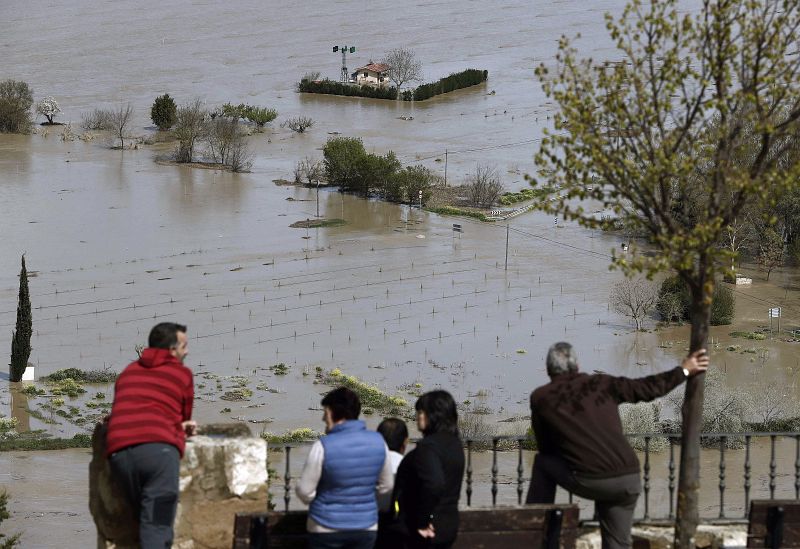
(774, 523)
(529, 526)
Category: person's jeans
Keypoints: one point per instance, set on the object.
(149, 474)
(614, 497)
(356, 539)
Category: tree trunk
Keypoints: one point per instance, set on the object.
(688, 515)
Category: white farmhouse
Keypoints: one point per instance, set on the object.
(372, 74)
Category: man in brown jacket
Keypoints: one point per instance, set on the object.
(581, 444)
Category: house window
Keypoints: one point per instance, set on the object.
(380, 79)
(365, 75)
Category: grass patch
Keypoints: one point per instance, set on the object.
(509, 198)
(83, 376)
(279, 369)
(316, 223)
(450, 210)
(370, 396)
(303, 434)
(237, 395)
(68, 387)
(757, 336)
(32, 390)
(41, 443)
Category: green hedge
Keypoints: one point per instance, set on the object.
(455, 81)
(330, 87)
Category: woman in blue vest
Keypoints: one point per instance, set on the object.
(343, 471)
(428, 482)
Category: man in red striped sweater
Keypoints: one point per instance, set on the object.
(147, 430)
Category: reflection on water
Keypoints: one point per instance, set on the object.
(19, 407)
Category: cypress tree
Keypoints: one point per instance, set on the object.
(21, 339)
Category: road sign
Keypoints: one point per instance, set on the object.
(457, 228)
(775, 312)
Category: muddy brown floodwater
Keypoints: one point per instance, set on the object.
(117, 242)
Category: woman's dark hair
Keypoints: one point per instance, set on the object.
(343, 403)
(165, 335)
(440, 409)
(394, 432)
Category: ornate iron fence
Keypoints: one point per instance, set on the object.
(508, 446)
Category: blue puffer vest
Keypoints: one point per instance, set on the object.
(353, 460)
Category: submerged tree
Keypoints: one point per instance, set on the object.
(669, 127)
(403, 67)
(21, 338)
(634, 298)
(48, 107)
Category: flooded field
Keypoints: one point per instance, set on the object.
(118, 242)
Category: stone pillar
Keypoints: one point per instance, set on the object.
(219, 477)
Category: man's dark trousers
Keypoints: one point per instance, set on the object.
(149, 473)
(614, 497)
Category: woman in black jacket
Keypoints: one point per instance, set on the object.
(428, 482)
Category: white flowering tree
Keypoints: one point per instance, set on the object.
(48, 107)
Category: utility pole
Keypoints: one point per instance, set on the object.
(507, 229)
(343, 76)
(445, 167)
(317, 198)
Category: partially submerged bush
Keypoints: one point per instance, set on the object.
(303, 434)
(16, 98)
(371, 397)
(164, 112)
(83, 376)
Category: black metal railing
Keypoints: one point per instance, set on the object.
(506, 446)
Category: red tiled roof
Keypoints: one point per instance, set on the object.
(374, 67)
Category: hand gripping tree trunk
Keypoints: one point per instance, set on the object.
(21, 339)
(688, 516)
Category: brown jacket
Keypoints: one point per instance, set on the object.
(576, 416)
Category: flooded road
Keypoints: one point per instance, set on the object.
(118, 242)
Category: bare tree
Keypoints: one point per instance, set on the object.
(95, 120)
(403, 67)
(117, 122)
(298, 124)
(227, 144)
(484, 186)
(309, 172)
(634, 298)
(190, 127)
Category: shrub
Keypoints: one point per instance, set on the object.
(190, 127)
(84, 376)
(341, 155)
(6, 542)
(643, 417)
(95, 120)
(164, 112)
(674, 299)
(298, 124)
(16, 98)
(723, 306)
(260, 115)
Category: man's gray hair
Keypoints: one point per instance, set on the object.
(561, 359)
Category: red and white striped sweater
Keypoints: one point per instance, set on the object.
(152, 397)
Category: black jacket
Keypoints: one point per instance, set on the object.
(428, 485)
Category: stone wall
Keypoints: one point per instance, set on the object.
(219, 477)
(708, 536)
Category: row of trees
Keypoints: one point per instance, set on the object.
(348, 165)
